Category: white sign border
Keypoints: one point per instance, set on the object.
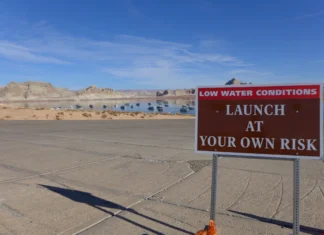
(261, 156)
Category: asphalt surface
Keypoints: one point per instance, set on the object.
(141, 177)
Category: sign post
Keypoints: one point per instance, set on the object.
(271, 122)
(296, 225)
(214, 188)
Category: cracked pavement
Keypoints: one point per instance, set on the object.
(141, 177)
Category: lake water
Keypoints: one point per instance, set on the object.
(169, 106)
(174, 105)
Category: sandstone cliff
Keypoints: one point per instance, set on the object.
(33, 91)
(42, 91)
(92, 92)
(178, 92)
(235, 81)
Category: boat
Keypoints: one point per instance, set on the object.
(184, 109)
(160, 108)
(138, 104)
(104, 106)
(122, 107)
(151, 108)
(78, 106)
(166, 105)
(91, 106)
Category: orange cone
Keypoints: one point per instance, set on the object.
(211, 230)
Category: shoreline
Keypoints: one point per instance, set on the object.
(12, 113)
(186, 97)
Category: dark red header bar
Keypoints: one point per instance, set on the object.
(260, 92)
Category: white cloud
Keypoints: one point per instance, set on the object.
(138, 59)
(318, 61)
(248, 72)
(13, 51)
(311, 15)
(209, 43)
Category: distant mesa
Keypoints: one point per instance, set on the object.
(33, 91)
(178, 92)
(235, 81)
(159, 93)
(92, 92)
(45, 91)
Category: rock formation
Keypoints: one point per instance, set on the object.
(92, 92)
(178, 92)
(235, 81)
(43, 91)
(33, 91)
(159, 93)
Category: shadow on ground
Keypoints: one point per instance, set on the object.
(104, 205)
(304, 229)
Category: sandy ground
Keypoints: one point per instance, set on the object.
(139, 177)
(13, 113)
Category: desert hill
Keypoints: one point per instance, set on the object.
(33, 91)
(44, 91)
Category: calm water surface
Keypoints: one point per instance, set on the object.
(174, 106)
(169, 106)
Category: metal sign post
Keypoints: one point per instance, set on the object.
(296, 225)
(214, 188)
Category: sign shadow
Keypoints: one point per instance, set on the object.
(304, 229)
(104, 206)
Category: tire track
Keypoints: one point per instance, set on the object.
(302, 198)
(205, 191)
(149, 180)
(252, 197)
(246, 187)
(321, 191)
(281, 198)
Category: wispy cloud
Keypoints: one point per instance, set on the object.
(132, 9)
(317, 61)
(310, 15)
(138, 59)
(248, 71)
(209, 43)
(13, 51)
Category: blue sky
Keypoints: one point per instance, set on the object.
(134, 44)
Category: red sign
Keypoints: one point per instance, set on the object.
(279, 121)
